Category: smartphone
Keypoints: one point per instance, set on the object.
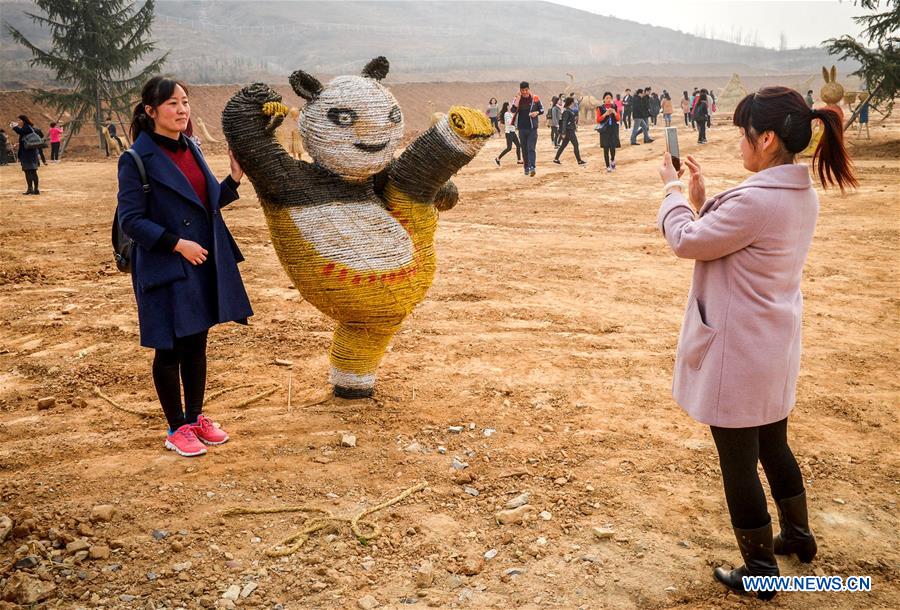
(672, 146)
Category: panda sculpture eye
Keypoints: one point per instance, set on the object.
(395, 116)
(342, 117)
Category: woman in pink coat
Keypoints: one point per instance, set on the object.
(738, 355)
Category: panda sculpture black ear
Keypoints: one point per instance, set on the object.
(377, 68)
(305, 85)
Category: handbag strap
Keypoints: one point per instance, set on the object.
(145, 183)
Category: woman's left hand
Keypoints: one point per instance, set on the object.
(236, 172)
(667, 170)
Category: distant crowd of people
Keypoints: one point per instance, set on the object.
(518, 121)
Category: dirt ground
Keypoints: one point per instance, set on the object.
(552, 322)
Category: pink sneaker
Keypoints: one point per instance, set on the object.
(184, 442)
(208, 433)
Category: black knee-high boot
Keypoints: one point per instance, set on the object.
(756, 548)
(795, 536)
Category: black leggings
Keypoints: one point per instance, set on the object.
(687, 119)
(511, 140)
(609, 154)
(569, 136)
(31, 180)
(187, 360)
(739, 451)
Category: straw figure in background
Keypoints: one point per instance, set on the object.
(354, 230)
(832, 93)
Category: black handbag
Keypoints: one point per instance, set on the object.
(122, 244)
(32, 141)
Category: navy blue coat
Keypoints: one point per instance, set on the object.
(174, 297)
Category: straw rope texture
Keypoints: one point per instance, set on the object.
(354, 230)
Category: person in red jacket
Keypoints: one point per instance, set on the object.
(608, 117)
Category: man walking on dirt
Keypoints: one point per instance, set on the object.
(627, 107)
(641, 111)
(526, 109)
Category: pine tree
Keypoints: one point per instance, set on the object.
(880, 62)
(95, 46)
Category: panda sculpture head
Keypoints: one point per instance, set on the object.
(352, 125)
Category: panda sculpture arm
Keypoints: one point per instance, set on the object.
(424, 169)
(249, 122)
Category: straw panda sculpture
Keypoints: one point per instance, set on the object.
(354, 230)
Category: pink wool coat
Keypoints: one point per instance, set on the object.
(738, 355)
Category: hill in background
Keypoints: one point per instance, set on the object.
(215, 41)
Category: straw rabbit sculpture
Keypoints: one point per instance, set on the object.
(832, 92)
(354, 230)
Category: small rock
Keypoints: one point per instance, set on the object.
(490, 554)
(226, 604)
(839, 501)
(117, 544)
(520, 500)
(159, 534)
(670, 589)
(6, 526)
(23, 588)
(249, 588)
(85, 529)
(541, 541)
(151, 576)
(425, 574)
(125, 597)
(45, 403)
(561, 481)
(513, 571)
(413, 447)
(442, 450)
(459, 464)
(602, 533)
(455, 429)
(321, 459)
(77, 546)
(514, 516)
(79, 402)
(103, 513)
(348, 440)
(281, 362)
(99, 551)
(81, 556)
(318, 586)
(470, 490)
(545, 515)
(489, 431)
(367, 602)
(232, 592)
(684, 543)
(181, 567)
(472, 565)
(29, 561)
(177, 546)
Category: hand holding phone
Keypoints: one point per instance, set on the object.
(672, 147)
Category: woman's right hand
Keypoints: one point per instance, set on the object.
(697, 184)
(193, 252)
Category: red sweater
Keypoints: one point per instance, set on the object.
(188, 165)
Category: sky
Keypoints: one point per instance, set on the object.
(803, 22)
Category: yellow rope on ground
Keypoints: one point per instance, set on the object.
(100, 393)
(292, 543)
(253, 399)
(218, 393)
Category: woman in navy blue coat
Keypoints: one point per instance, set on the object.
(28, 158)
(184, 262)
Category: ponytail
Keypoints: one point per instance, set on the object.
(140, 121)
(831, 160)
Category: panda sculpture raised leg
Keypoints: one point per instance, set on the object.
(354, 230)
